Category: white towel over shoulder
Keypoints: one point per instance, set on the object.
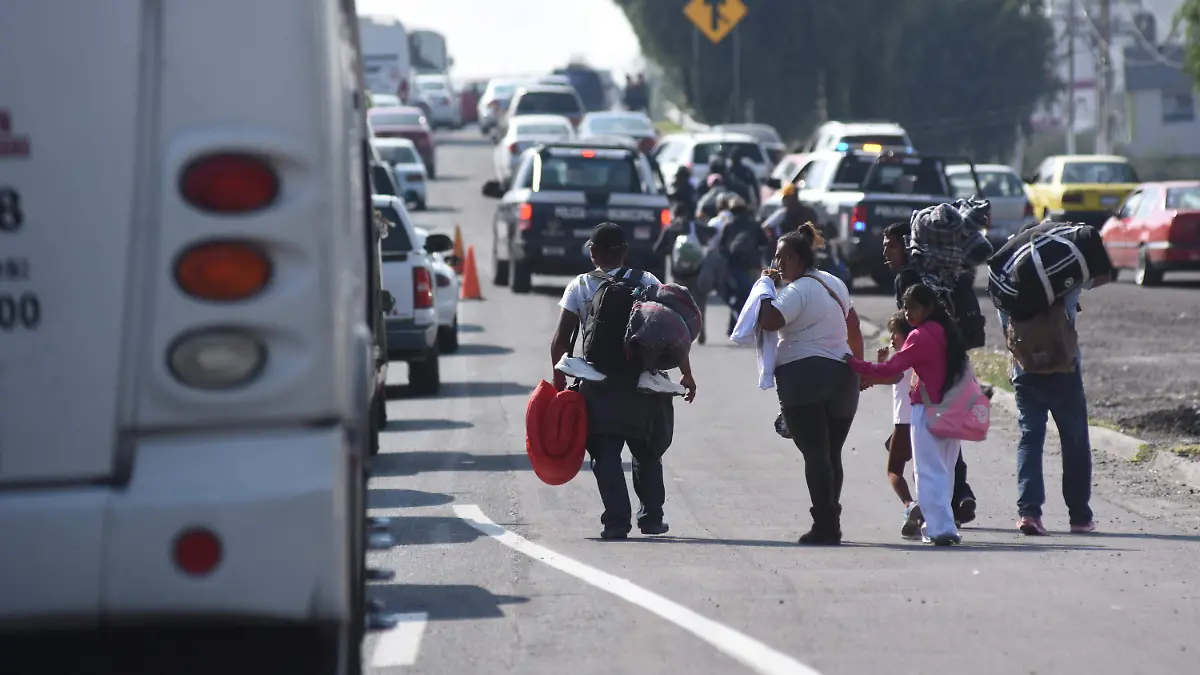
(746, 331)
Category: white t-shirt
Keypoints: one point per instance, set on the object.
(577, 298)
(901, 404)
(816, 324)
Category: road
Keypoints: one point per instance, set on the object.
(729, 591)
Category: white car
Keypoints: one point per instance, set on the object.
(695, 151)
(494, 102)
(402, 156)
(385, 101)
(1005, 191)
(409, 276)
(636, 126)
(767, 134)
(525, 132)
(445, 294)
(440, 99)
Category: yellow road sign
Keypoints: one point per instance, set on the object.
(715, 18)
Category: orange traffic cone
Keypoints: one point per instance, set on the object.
(458, 249)
(470, 285)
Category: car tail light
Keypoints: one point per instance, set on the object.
(422, 288)
(1028, 209)
(646, 145)
(525, 216)
(223, 271)
(858, 217)
(229, 183)
(664, 218)
(197, 552)
(513, 148)
(1184, 229)
(217, 358)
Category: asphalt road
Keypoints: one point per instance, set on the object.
(729, 591)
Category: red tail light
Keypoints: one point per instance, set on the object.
(1185, 229)
(229, 183)
(197, 552)
(525, 216)
(422, 288)
(513, 147)
(664, 218)
(858, 218)
(646, 145)
(1028, 210)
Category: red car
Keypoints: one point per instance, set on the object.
(468, 98)
(1156, 230)
(410, 123)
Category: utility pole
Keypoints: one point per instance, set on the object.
(1070, 32)
(737, 73)
(1104, 86)
(695, 97)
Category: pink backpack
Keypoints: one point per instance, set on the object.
(964, 413)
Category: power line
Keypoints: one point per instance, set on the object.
(1147, 46)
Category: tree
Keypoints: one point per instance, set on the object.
(1188, 17)
(961, 75)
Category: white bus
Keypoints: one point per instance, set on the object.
(430, 56)
(386, 50)
(185, 382)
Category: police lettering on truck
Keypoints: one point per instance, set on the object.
(20, 308)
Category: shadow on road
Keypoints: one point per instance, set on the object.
(426, 425)
(466, 390)
(452, 179)
(470, 328)
(388, 498)
(482, 350)
(1109, 535)
(967, 545)
(440, 209)
(431, 461)
(431, 530)
(444, 602)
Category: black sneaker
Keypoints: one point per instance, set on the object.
(947, 540)
(655, 528)
(614, 533)
(965, 512)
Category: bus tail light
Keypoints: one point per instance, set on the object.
(223, 271)
(229, 183)
(217, 358)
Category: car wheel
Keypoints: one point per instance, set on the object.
(424, 376)
(420, 205)
(1147, 274)
(448, 337)
(500, 269)
(522, 277)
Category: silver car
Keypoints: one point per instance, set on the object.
(1003, 188)
(439, 97)
(525, 132)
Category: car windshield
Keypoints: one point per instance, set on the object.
(590, 174)
(705, 151)
(397, 154)
(396, 119)
(397, 239)
(886, 140)
(1098, 172)
(543, 130)
(995, 184)
(1184, 198)
(619, 125)
(894, 175)
(431, 85)
(548, 103)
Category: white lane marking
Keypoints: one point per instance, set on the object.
(755, 655)
(398, 646)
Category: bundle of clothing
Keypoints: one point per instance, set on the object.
(1042, 264)
(946, 244)
(664, 323)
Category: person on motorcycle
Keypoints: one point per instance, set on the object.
(708, 207)
(682, 191)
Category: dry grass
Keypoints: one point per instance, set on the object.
(992, 366)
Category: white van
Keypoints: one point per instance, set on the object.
(186, 378)
(387, 60)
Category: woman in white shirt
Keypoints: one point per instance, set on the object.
(818, 392)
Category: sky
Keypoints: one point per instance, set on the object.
(498, 37)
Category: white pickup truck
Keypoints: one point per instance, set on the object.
(409, 275)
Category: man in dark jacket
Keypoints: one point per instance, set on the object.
(792, 214)
(686, 273)
(743, 243)
(709, 204)
(682, 191)
(745, 175)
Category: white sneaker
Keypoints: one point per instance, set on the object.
(657, 382)
(575, 366)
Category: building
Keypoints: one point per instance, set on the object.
(1161, 115)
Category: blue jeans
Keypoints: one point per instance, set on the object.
(1060, 395)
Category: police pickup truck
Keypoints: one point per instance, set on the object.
(559, 193)
(857, 193)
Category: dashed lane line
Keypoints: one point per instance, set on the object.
(399, 645)
(751, 653)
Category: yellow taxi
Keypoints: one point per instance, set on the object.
(1080, 188)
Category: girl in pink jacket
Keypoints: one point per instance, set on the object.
(935, 351)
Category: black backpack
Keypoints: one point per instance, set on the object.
(964, 307)
(607, 323)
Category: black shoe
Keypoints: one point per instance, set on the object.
(965, 512)
(826, 529)
(655, 528)
(947, 540)
(612, 533)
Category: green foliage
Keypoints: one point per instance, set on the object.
(960, 75)
(1188, 17)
